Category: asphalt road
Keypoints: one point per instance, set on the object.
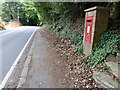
(11, 44)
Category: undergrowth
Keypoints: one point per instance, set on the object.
(62, 29)
(108, 45)
(108, 42)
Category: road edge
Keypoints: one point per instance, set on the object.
(24, 73)
(2, 85)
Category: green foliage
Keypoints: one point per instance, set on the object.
(54, 11)
(105, 67)
(24, 11)
(108, 45)
(79, 48)
(1, 22)
(64, 32)
(75, 37)
(10, 10)
(60, 17)
(28, 15)
(1, 9)
(62, 29)
(43, 11)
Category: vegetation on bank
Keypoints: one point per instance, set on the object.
(2, 27)
(109, 42)
(62, 21)
(67, 20)
(1, 22)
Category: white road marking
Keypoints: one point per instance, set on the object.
(15, 63)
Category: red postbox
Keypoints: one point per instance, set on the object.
(88, 33)
(96, 20)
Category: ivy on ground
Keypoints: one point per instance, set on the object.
(110, 39)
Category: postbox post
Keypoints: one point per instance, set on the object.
(96, 21)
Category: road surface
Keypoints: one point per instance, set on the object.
(11, 44)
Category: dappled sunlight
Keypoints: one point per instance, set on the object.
(12, 25)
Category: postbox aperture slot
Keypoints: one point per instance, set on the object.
(89, 20)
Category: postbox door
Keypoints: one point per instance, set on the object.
(88, 32)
